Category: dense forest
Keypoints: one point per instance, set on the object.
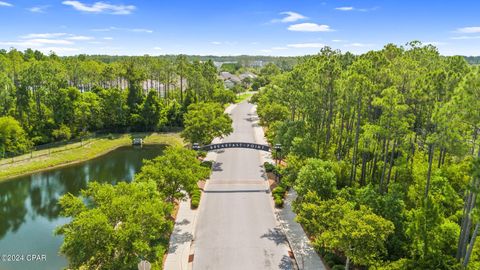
(283, 62)
(383, 152)
(474, 60)
(45, 99)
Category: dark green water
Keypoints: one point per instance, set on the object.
(28, 205)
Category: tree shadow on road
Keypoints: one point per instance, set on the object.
(263, 174)
(285, 263)
(217, 167)
(275, 235)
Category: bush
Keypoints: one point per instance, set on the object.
(63, 133)
(201, 154)
(254, 98)
(278, 202)
(194, 203)
(338, 267)
(207, 164)
(195, 198)
(279, 190)
(269, 167)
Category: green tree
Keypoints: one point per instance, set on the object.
(317, 176)
(272, 113)
(88, 112)
(135, 75)
(176, 172)
(62, 133)
(115, 109)
(205, 121)
(114, 227)
(13, 139)
(360, 235)
(151, 112)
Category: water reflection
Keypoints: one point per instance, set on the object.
(29, 208)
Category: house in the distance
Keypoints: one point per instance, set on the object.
(229, 79)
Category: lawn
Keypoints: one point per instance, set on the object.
(242, 96)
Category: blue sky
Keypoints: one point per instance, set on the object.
(253, 27)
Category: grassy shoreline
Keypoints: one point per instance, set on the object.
(97, 147)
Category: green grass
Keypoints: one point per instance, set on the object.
(241, 97)
(64, 155)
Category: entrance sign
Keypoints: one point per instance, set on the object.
(218, 146)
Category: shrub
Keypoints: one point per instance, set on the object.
(279, 190)
(269, 167)
(194, 203)
(207, 164)
(201, 153)
(63, 133)
(338, 267)
(195, 198)
(278, 202)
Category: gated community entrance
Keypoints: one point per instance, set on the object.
(255, 146)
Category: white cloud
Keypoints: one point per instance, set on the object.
(36, 42)
(39, 40)
(290, 16)
(52, 36)
(465, 37)
(101, 7)
(108, 38)
(469, 30)
(350, 8)
(141, 30)
(16, 43)
(338, 40)
(38, 9)
(43, 41)
(43, 35)
(306, 45)
(279, 48)
(73, 37)
(434, 43)
(309, 27)
(345, 8)
(113, 28)
(108, 29)
(359, 45)
(266, 51)
(216, 42)
(58, 49)
(5, 4)
(157, 48)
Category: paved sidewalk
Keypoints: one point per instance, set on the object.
(305, 255)
(181, 238)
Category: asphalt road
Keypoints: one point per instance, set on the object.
(236, 226)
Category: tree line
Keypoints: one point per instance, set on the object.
(45, 99)
(383, 152)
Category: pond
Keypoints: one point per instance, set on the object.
(29, 211)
